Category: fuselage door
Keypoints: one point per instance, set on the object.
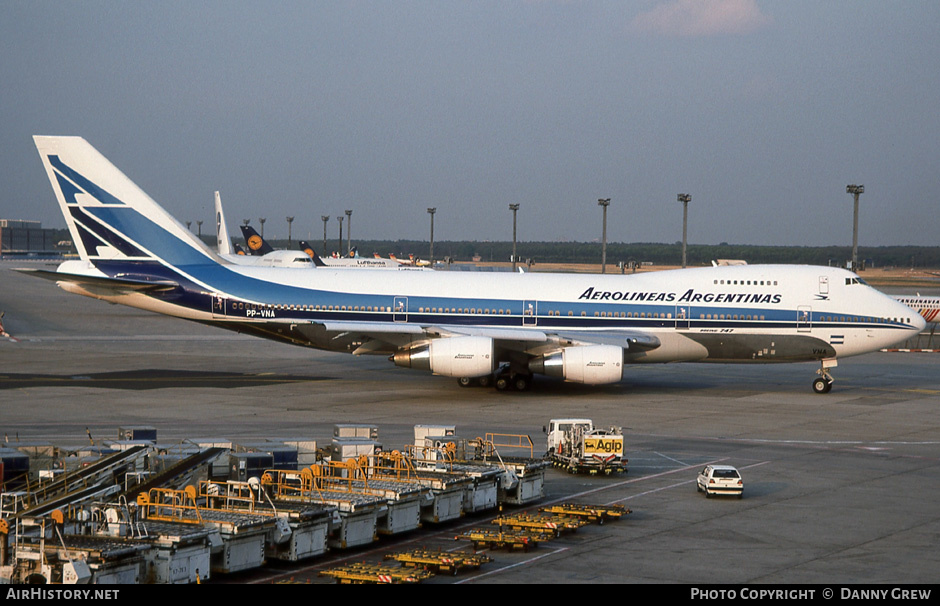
(683, 316)
(400, 309)
(824, 285)
(218, 306)
(530, 311)
(804, 318)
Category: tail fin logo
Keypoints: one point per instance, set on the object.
(73, 183)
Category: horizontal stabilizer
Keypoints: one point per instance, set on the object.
(117, 285)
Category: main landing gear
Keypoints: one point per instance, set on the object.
(823, 383)
(502, 381)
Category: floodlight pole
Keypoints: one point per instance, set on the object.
(348, 232)
(514, 208)
(290, 220)
(340, 245)
(604, 202)
(325, 218)
(856, 191)
(431, 212)
(684, 199)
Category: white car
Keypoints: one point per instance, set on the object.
(720, 479)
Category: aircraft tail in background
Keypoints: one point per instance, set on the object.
(256, 244)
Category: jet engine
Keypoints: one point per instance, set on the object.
(590, 364)
(451, 357)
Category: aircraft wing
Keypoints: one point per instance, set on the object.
(386, 337)
(630, 340)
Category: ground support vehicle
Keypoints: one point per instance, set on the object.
(576, 445)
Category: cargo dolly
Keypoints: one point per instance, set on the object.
(591, 513)
(440, 561)
(554, 524)
(483, 538)
(378, 574)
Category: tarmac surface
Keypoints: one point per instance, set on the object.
(839, 488)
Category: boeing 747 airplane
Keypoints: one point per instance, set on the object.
(480, 328)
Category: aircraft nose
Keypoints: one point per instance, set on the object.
(919, 323)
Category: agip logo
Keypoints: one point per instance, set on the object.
(603, 445)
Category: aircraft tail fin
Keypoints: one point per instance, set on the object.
(223, 242)
(109, 217)
(305, 246)
(256, 244)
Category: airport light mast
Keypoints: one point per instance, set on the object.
(855, 190)
(431, 212)
(289, 221)
(349, 231)
(199, 226)
(604, 202)
(339, 249)
(514, 208)
(325, 218)
(684, 199)
(261, 220)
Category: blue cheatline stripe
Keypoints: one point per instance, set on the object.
(89, 187)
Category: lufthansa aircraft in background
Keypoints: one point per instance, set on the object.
(261, 255)
(353, 262)
(480, 328)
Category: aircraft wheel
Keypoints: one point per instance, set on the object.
(485, 381)
(502, 384)
(465, 382)
(821, 385)
(522, 382)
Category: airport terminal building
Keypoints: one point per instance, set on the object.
(29, 239)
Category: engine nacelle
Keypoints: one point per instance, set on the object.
(589, 364)
(451, 357)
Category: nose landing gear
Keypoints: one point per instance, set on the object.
(823, 383)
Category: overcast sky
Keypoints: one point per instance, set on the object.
(762, 111)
